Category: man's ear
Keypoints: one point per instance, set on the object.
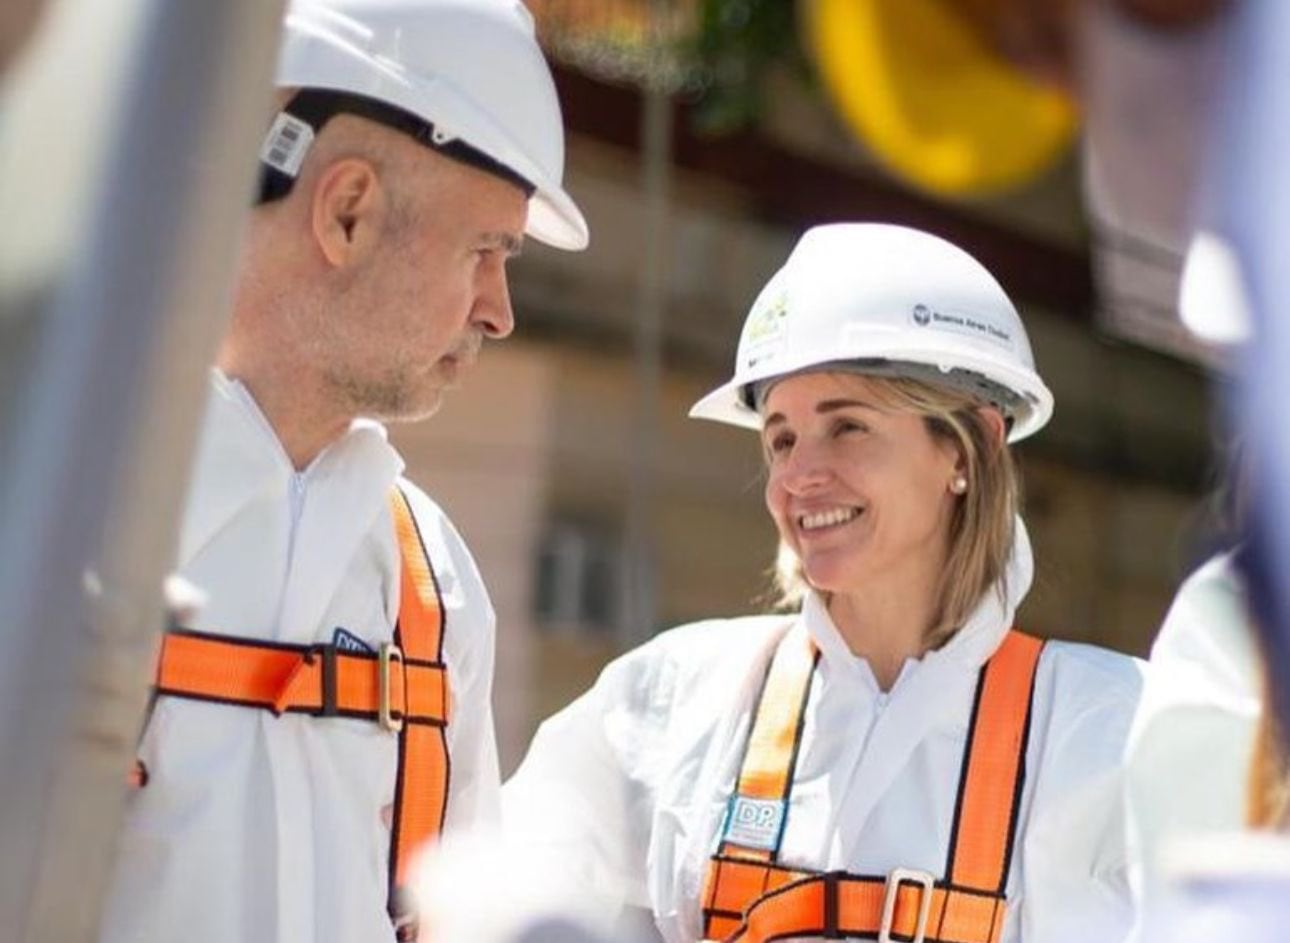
(348, 202)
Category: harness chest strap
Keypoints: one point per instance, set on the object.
(749, 897)
(403, 687)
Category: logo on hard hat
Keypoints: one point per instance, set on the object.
(768, 322)
(765, 333)
(976, 326)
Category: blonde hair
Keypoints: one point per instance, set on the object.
(981, 526)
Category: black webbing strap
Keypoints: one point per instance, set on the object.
(317, 106)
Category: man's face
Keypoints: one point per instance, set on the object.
(412, 316)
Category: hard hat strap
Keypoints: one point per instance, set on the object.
(314, 107)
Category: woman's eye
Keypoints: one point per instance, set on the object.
(843, 426)
(780, 443)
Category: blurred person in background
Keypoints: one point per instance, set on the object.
(892, 761)
(328, 712)
(1193, 766)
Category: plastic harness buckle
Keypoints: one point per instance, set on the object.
(898, 877)
(388, 654)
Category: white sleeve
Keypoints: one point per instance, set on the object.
(581, 801)
(1074, 863)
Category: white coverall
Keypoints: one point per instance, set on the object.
(627, 786)
(260, 828)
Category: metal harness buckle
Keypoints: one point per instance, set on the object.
(386, 655)
(898, 877)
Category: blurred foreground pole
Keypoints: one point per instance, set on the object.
(99, 453)
(1253, 206)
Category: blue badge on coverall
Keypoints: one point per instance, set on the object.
(754, 823)
(347, 641)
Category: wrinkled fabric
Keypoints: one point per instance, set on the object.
(261, 828)
(626, 788)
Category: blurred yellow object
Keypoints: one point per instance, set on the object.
(931, 99)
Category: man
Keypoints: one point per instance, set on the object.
(327, 712)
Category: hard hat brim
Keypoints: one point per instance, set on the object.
(555, 220)
(727, 404)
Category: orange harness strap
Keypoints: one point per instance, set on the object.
(305, 679)
(750, 898)
(403, 687)
(421, 790)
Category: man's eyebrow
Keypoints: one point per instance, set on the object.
(508, 242)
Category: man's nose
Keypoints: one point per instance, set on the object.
(492, 310)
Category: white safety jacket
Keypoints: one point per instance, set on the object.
(260, 828)
(627, 787)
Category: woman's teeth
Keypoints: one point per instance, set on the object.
(827, 518)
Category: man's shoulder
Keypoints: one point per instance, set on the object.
(423, 506)
(431, 519)
(453, 563)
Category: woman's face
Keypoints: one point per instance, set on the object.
(861, 493)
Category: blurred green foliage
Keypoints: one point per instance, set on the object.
(737, 45)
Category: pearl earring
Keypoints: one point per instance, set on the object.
(959, 484)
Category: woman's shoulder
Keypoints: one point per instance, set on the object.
(1088, 693)
(1094, 669)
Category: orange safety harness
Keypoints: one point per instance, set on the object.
(749, 897)
(402, 687)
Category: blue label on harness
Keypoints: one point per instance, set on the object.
(754, 823)
(347, 641)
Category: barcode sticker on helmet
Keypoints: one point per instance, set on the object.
(287, 143)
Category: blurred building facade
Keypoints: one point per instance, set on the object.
(534, 464)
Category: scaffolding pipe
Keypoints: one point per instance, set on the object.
(651, 307)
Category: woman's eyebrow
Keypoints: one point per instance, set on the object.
(830, 405)
(824, 406)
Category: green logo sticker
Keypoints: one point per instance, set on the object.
(768, 323)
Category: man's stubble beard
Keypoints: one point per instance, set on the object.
(390, 399)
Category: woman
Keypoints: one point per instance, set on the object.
(890, 762)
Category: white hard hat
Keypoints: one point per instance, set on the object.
(891, 301)
(464, 76)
